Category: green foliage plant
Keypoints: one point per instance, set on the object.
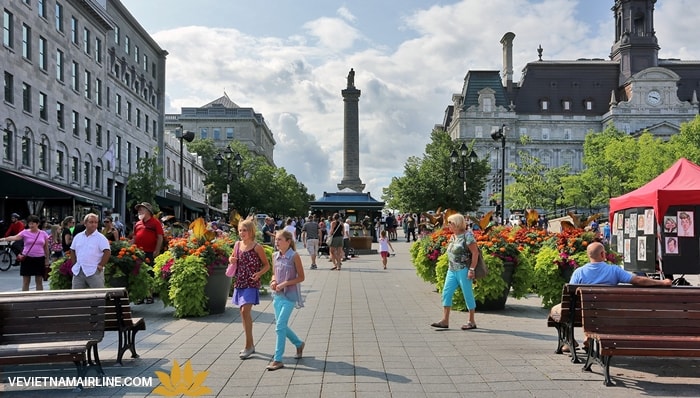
(187, 282)
(61, 276)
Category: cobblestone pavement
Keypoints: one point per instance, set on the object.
(367, 334)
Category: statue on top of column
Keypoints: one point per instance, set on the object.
(351, 78)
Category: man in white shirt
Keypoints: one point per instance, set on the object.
(90, 252)
(346, 239)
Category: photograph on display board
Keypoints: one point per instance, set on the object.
(627, 256)
(627, 226)
(671, 245)
(620, 221)
(685, 224)
(670, 225)
(642, 249)
(641, 223)
(633, 225)
(620, 241)
(649, 222)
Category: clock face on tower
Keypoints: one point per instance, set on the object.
(654, 97)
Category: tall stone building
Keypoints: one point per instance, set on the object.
(84, 88)
(557, 103)
(224, 121)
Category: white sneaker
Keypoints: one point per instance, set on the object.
(247, 352)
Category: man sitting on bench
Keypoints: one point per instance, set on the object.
(599, 272)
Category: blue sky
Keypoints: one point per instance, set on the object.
(289, 60)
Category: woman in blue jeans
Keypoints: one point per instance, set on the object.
(463, 255)
(286, 291)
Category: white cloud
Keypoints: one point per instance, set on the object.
(295, 81)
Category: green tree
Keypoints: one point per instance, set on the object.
(431, 182)
(143, 185)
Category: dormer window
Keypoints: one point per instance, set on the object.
(544, 105)
(588, 105)
(566, 105)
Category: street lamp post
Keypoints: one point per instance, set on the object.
(237, 161)
(464, 159)
(187, 136)
(500, 134)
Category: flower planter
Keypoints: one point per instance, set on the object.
(217, 289)
(361, 242)
(499, 303)
(119, 281)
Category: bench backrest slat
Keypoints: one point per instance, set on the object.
(642, 311)
(36, 319)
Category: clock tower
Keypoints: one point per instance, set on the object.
(636, 47)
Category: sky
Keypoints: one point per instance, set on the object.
(289, 61)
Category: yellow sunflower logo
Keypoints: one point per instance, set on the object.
(182, 382)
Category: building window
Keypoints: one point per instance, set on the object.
(146, 124)
(60, 119)
(43, 112)
(75, 170)
(545, 134)
(88, 130)
(98, 50)
(544, 105)
(26, 98)
(229, 133)
(145, 62)
(26, 42)
(203, 133)
(154, 130)
(59, 164)
(98, 177)
(566, 105)
(128, 110)
(88, 80)
(98, 91)
(138, 118)
(546, 159)
(43, 64)
(153, 70)
(487, 105)
(217, 133)
(43, 158)
(588, 104)
(9, 88)
(478, 131)
(41, 8)
(8, 29)
(74, 122)
(86, 41)
(87, 169)
(116, 35)
(74, 30)
(7, 144)
(118, 103)
(26, 152)
(98, 134)
(59, 65)
(75, 79)
(127, 45)
(136, 54)
(59, 18)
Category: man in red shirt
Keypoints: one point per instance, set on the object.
(148, 232)
(148, 235)
(16, 226)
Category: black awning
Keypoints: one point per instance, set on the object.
(20, 186)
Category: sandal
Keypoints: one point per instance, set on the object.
(469, 326)
(439, 325)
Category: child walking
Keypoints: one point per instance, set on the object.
(384, 246)
(286, 294)
(250, 263)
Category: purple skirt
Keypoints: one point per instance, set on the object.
(250, 295)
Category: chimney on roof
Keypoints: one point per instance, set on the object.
(507, 75)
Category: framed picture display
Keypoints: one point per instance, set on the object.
(633, 225)
(642, 248)
(670, 225)
(649, 222)
(671, 245)
(620, 221)
(686, 228)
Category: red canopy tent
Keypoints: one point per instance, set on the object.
(679, 185)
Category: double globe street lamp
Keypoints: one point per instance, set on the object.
(237, 161)
(183, 136)
(466, 159)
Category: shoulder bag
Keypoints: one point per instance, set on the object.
(480, 270)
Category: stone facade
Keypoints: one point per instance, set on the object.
(557, 103)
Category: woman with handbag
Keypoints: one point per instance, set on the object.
(463, 255)
(336, 242)
(35, 256)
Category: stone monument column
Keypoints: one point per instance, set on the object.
(351, 137)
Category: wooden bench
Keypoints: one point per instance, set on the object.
(568, 318)
(117, 311)
(639, 321)
(51, 329)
